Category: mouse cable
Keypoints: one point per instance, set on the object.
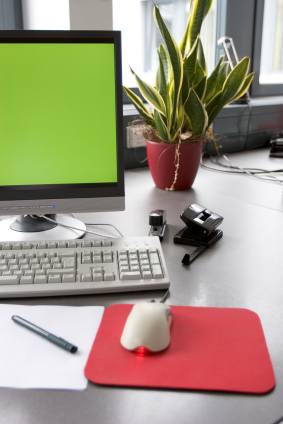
(278, 421)
(164, 297)
(79, 229)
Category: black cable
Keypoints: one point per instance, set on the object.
(278, 421)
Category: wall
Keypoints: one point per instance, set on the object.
(83, 14)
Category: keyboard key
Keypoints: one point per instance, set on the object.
(154, 258)
(107, 259)
(135, 268)
(86, 243)
(57, 266)
(26, 279)
(97, 259)
(97, 276)
(69, 262)
(86, 278)
(68, 278)
(28, 272)
(70, 254)
(106, 243)
(96, 243)
(146, 275)
(130, 275)
(145, 267)
(60, 271)
(157, 272)
(124, 268)
(54, 279)
(9, 279)
(86, 260)
(45, 266)
(3, 268)
(109, 276)
(40, 279)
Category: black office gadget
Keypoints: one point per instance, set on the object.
(276, 148)
(157, 222)
(200, 231)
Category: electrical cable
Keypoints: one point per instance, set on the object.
(79, 229)
(278, 421)
(164, 297)
(257, 171)
(267, 175)
(106, 225)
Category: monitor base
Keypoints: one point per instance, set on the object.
(31, 228)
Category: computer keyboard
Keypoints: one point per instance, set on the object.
(72, 267)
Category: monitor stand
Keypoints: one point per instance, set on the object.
(33, 227)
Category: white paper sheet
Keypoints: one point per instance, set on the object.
(29, 361)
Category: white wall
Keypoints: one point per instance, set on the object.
(91, 14)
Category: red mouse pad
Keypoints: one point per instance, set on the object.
(220, 349)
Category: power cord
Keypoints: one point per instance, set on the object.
(87, 231)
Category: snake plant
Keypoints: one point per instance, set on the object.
(185, 100)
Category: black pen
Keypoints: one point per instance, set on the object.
(58, 341)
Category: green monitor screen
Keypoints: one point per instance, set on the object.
(60, 118)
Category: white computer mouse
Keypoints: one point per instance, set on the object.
(147, 326)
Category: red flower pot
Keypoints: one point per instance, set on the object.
(162, 160)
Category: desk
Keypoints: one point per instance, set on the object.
(244, 269)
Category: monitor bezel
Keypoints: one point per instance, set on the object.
(37, 194)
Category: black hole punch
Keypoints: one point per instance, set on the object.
(200, 231)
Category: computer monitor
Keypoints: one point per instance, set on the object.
(60, 129)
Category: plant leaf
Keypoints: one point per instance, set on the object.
(223, 73)
(248, 80)
(139, 105)
(151, 95)
(175, 60)
(200, 9)
(212, 79)
(214, 106)
(201, 57)
(196, 114)
(198, 75)
(179, 124)
(201, 87)
(161, 84)
(160, 126)
(189, 70)
(233, 85)
(235, 80)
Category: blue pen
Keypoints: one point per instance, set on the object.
(58, 341)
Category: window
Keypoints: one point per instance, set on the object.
(42, 14)
(271, 64)
(140, 37)
(268, 48)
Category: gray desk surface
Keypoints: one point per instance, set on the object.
(244, 269)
